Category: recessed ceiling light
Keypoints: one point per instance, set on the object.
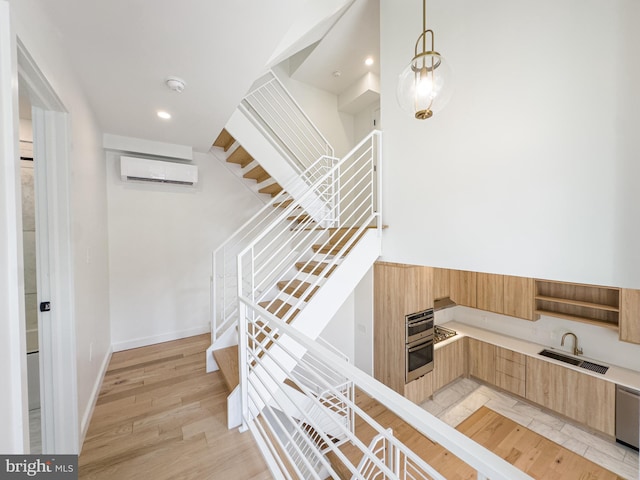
(164, 115)
(369, 61)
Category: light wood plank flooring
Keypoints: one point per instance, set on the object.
(161, 416)
(535, 455)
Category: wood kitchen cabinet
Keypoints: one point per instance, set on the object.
(506, 294)
(519, 293)
(441, 283)
(579, 396)
(629, 315)
(462, 286)
(398, 290)
(448, 363)
(482, 360)
(490, 292)
(420, 389)
(511, 370)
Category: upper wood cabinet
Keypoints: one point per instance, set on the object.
(490, 292)
(519, 297)
(441, 283)
(462, 286)
(506, 294)
(398, 290)
(630, 315)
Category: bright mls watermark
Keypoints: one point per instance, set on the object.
(50, 467)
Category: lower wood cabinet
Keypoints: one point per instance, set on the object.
(482, 360)
(579, 396)
(511, 368)
(448, 363)
(420, 389)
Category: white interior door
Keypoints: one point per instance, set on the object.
(56, 326)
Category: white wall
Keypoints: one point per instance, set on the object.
(161, 238)
(363, 121)
(322, 108)
(339, 331)
(532, 168)
(363, 335)
(351, 329)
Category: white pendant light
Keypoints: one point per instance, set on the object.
(425, 86)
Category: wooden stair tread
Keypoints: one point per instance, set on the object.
(227, 360)
(241, 157)
(272, 189)
(258, 174)
(297, 288)
(224, 140)
(279, 308)
(330, 249)
(299, 218)
(284, 204)
(316, 268)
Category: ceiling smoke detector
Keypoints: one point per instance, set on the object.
(176, 84)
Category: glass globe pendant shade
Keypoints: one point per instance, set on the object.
(425, 86)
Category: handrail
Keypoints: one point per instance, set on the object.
(264, 369)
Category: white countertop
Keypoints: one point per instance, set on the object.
(615, 374)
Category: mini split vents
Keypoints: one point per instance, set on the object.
(145, 170)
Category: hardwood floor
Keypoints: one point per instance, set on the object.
(535, 455)
(539, 457)
(161, 416)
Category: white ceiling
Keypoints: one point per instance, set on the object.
(122, 51)
(354, 38)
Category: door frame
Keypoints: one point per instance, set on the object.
(54, 240)
(56, 328)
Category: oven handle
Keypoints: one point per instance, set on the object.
(418, 347)
(422, 322)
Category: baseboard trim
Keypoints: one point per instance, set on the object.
(95, 393)
(165, 337)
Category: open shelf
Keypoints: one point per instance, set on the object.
(578, 302)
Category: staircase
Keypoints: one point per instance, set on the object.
(299, 259)
(249, 168)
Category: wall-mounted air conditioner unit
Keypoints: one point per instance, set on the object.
(143, 169)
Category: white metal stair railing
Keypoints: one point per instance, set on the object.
(280, 118)
(298, 238)
(296, 444)
(282, 237)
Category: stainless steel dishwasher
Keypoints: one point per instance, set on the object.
(627, 413)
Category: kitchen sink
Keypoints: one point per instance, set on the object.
(594, 367)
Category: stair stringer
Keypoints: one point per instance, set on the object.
(311, 321)
(273, 160)
(326, 302)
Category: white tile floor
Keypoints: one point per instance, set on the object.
(34, 431)
(459, 400)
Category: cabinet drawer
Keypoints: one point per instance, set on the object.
(510, 355)
(511, 368)
(511, 384)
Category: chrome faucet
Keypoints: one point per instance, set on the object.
(576, 350)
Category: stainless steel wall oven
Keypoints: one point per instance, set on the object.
(418, 344)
